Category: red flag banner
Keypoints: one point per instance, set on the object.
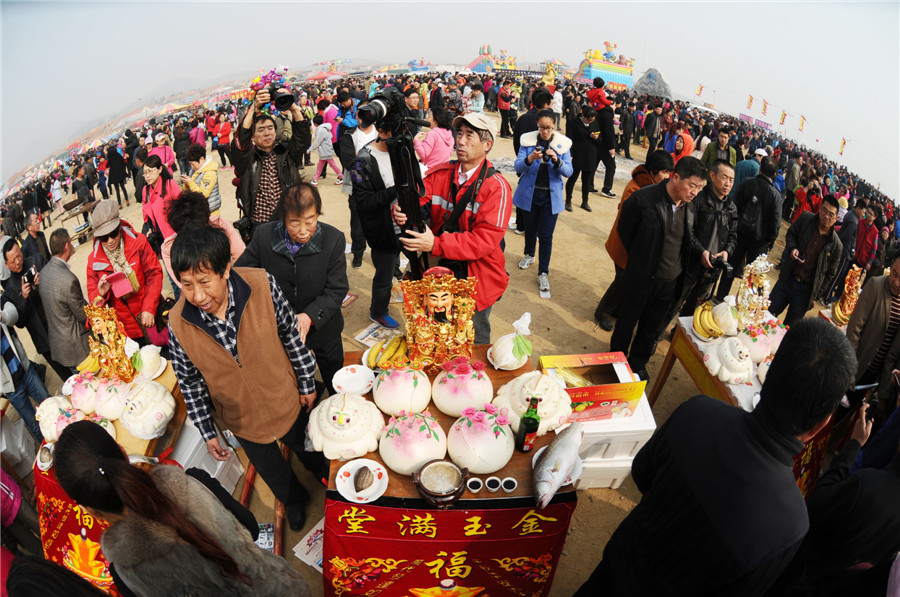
(802, 121)
(783, 116)
(699, 89)
(843, 145)
(749, 102)
(765, 107)
(375, 550)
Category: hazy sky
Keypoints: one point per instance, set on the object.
(838, 64)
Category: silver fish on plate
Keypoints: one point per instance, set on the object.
(555, 464)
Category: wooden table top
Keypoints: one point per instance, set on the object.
(519, 466)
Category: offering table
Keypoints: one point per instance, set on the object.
(686, 349)
(71, 536)
(496, 543)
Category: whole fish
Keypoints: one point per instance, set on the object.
(555, 464)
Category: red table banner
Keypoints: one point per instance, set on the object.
(70, 536)
(376, 550)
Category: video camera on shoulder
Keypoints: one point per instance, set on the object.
(387, 111)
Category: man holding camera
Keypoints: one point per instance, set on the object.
(470, 206)
(759, 206)
(715, 226)
(265, 168)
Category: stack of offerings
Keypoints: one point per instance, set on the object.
(611, 404)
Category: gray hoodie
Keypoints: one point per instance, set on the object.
(322, 142)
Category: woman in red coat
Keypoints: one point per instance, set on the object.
(222, 131)
(118, 248)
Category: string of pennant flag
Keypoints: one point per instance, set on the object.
(784, 115)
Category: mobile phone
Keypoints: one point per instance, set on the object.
(30, 275)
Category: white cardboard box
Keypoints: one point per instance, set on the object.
(609, 473)
(190, 451)
(611, 439)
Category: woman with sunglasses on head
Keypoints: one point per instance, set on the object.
(119, 249)
(168, 535)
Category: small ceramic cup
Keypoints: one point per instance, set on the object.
(492, 484)
(475, 484)
(509, 484)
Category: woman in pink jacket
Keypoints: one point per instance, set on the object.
(158, 192)
(164, 151)
(436, 146)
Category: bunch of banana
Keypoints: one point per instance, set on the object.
(838, 314)
(386, 351)
(703, 323)
(90, 363)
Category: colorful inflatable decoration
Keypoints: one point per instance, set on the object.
(419, 66)
(617, 71)
(487, 62)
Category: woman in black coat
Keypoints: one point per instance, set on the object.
(117, 173)
(306, 258)
(180, 146)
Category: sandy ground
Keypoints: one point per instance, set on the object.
(580, 271)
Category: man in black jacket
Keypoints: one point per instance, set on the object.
(606, 146)
(626, 126)
(374, 193)
(847, 234)
(854, 523)
(759, 221)
(715, 226)
(656, 226)
(265, 168)
(721, 513)
(812, 251)
(583, 131)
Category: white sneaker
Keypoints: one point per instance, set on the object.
(543, 282)
(526, 262)
(339, 182)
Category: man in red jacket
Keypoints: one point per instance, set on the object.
(472, 244)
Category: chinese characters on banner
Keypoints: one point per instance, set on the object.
(70, 536)
(808, 463)
(375, 550)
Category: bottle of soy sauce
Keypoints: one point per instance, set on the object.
(528, 426)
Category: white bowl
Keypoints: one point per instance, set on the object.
(353, 379)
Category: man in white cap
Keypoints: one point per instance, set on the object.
(470, 209)
(746, 169)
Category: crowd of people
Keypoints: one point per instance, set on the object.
(257, 303)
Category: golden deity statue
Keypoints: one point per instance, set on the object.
(438, 310)
(752, 299)
(107, 343)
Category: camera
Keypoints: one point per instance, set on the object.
(720, 263)
(282, 100)
(386, 105)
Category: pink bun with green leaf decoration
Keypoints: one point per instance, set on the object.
(481, 440)
(461, 384)
(409, 440)
(403, 389)
(111, 398)
(84, 391)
